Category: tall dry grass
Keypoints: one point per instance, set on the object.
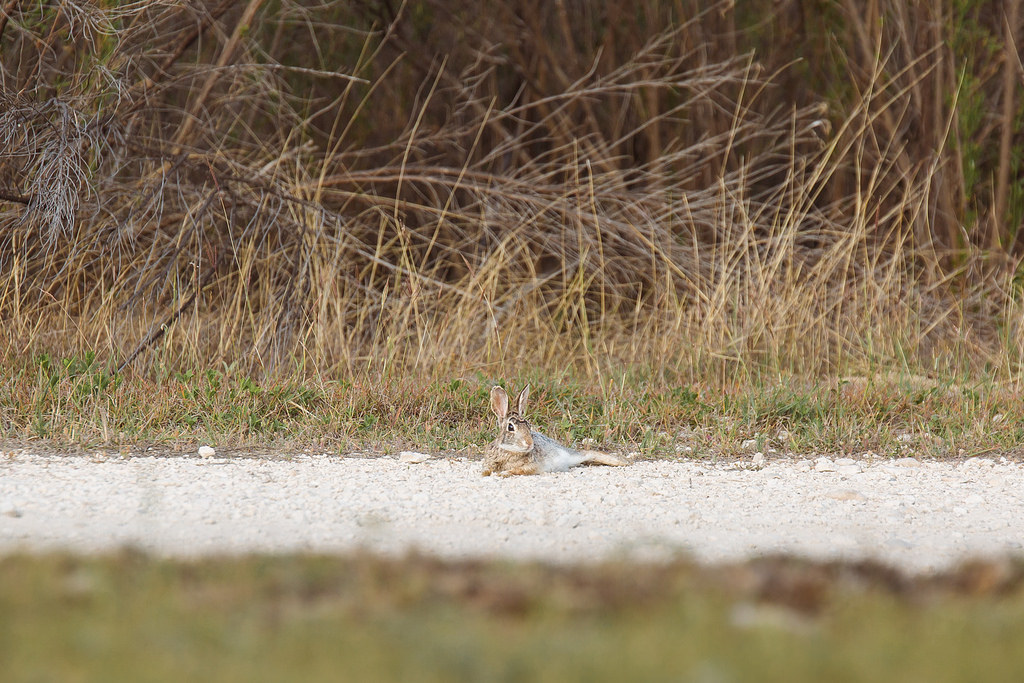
(386, 189)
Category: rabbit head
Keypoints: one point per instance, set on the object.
(514, 431)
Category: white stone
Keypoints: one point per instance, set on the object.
(824, 464)
(749, 444)
(206, 452)
(758, 458)
(849, 468)
(413, 457)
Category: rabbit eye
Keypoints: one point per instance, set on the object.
(511, 426)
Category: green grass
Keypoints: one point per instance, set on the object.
(76, 402)
(130, 617)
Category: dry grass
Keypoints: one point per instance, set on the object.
(321, 193)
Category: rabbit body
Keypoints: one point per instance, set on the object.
(520, 450)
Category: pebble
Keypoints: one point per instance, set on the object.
(206, 452)
(849, 468)
(758, 459)
(824, 464)
(413, 457)
(749, 444)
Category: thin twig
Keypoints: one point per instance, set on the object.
(227, 53)
(166, 324)
(187, 40)
(16, 198)
(5, 15)
(1009, 109)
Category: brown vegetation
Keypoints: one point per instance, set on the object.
(374, 187)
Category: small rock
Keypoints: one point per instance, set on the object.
(824, 464)
(802, 466)
(905, 437)
(758, 458)
(997, 418)
(844, 461)
(413, 457)
(847, 470)
(748, 444)
(907, 462)
(782, 435)
(206, 452)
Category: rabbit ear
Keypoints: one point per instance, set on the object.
(499, 402)
(521, 401)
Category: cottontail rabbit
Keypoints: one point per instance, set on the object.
(519, 450)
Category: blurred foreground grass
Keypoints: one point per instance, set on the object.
(132, 617)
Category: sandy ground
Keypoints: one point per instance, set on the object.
(918, 516)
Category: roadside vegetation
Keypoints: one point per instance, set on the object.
(338, 224)
(76, 403)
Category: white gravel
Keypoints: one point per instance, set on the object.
(918, 516)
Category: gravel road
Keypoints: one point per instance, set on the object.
(918, 516)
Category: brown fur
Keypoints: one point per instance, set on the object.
(499, 460)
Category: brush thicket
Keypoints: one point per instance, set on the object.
(347, 192)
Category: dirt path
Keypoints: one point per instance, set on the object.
(917, 516)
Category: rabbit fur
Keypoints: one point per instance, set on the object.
(520, 450)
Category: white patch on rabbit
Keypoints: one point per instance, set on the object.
(512, 448)
(557, 458)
